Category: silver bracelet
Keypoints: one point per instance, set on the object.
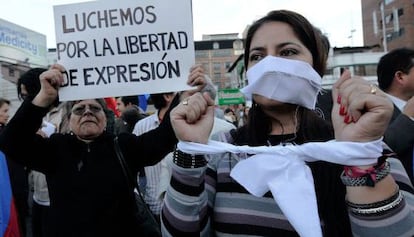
(378, 210)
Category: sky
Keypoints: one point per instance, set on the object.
(340, 20)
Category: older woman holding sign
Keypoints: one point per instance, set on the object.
(88, 192)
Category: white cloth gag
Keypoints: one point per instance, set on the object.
(284, 80)
(283, 171)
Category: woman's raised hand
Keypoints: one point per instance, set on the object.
(361, 111)
(50, 82)
(193, 118)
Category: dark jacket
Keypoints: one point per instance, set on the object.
(88, 192)
(128, 119)
(400, 138)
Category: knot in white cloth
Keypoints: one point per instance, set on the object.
(283, 171)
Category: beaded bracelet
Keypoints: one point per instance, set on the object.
(375, 204)
(377, 208)
(186, 160)
(369, 178)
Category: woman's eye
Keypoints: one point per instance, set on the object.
(78, 110)
(95, 109)
(288, 52)
(256, 57)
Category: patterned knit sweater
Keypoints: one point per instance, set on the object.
(206, 201)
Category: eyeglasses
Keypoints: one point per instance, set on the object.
(81, 109)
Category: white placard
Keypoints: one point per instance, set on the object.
(116, 48)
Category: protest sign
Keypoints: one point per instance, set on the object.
(116, 48)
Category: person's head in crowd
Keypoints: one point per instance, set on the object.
(28, 84)
(124, 102)
(288, 35)
(228, 111)
(395, 72)
(87, 118)
(162, 100)
(4, 111)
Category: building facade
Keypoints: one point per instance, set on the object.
(388, 23)
(217, 53)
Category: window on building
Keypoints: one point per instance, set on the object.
(238, 47)
(365, 70)
(374, 20)
(206, 67)
(400, 11)
(216, 67)
(217, 76)
(216, 45)
(201, 54)
(394, 35)
(222, 53)
(388, 18)
(388, 1)
(12, 72)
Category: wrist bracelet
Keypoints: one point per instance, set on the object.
(377, 208)
(353, 176)
(186, 160)
(375, 204)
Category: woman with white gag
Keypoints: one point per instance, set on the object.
(287, 172)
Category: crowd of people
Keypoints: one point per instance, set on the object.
(273, 168)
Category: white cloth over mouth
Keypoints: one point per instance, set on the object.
(286, 80)
(283, 171)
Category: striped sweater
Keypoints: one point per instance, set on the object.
(207, 202)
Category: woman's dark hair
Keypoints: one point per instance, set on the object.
(4, 101)
(329, 189)
(133, 99)
(158, 100)
(304, 30)
(31, 81)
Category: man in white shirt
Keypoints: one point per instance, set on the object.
(219, 125)
(158, 175)
(152, 173)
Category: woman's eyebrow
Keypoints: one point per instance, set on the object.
(258, 48)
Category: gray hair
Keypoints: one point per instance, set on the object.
(67, 111)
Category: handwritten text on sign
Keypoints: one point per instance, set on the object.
(124, 48)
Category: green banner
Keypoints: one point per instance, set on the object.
(230, 97)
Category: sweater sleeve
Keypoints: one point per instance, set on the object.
(186, 211)
(395, 222)
(151, 147)
(190, 197)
